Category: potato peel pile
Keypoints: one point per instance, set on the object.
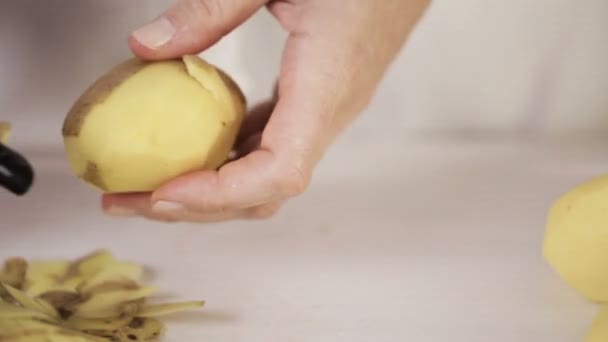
(94, 298)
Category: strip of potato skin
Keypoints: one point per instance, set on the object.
(138, 321)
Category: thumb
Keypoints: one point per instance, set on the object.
(190, 26)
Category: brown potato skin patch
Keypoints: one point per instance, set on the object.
(97, 93)
(93, 175)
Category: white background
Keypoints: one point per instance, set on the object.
(474, 132)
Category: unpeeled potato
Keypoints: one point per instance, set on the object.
(144, 123)
(576, 238)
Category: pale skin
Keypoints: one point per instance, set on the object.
(336, 54)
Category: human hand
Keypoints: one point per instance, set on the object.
(336, 54)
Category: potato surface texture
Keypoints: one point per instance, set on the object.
(144, 123)
(576, 238)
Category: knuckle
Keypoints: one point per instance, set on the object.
(208, 8)
(291, 183)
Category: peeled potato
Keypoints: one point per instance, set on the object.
(576, 238)
(599, 328)
(144, 123)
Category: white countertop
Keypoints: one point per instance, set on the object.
(439, 241)
(418, 240)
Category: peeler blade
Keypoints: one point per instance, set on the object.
(16, 173)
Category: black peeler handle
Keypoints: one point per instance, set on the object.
(16, 173)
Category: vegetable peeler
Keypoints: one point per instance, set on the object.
(16, 173)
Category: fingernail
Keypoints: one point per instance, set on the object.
(155, 34)
(120, 211)
(166, 206)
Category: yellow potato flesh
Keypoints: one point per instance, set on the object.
(167, 119)
(599, 328)
(576, 239)
(5, 130)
